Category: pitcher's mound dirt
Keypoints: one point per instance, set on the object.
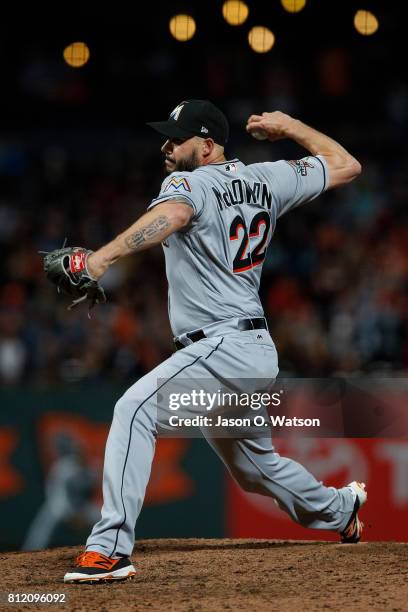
(206, 575)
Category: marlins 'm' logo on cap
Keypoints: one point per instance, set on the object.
(175, 113)
(178, 182)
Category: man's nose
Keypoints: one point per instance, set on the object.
(167, 147)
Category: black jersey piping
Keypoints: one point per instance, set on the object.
(324, 173)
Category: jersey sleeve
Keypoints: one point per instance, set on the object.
(183, 187)
(296, 181)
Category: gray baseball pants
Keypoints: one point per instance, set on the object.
(252, 462)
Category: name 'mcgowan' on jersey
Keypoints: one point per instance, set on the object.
(240, 191)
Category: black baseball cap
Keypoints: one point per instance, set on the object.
(195, 118)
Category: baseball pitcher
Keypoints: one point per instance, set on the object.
(215, 219)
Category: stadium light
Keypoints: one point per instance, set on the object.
(365, 23)
(182, 27)
(261, 39)
(235, 12)
(76, 54)
(293, 6)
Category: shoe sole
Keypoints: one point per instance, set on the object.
(126, 573)
(361, 498)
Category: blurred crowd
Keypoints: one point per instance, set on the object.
(87, 198)
(334, 289)
(335, 283)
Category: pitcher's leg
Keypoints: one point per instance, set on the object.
(128, 458)
(131, 445)
(259, 469)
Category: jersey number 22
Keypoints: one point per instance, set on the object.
(247, 258)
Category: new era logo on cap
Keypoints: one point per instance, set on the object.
(204, 130)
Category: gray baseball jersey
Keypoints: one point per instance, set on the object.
(214, 268)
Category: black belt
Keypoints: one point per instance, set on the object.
(243, 325)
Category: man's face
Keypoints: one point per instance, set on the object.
(181, 155)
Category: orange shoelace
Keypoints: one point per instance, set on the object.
(94, 559)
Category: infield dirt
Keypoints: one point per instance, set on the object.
(224, 575)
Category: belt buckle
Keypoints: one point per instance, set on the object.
(245, 324)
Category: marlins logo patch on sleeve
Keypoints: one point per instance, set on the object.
(179, 183)
(301, 165)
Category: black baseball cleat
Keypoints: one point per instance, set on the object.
(354, 528)
(93, 567)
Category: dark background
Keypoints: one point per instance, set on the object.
(77, 161)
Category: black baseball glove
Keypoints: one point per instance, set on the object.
(67, 269)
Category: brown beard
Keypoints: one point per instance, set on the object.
(187, 164)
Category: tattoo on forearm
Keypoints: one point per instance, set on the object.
(134, 241)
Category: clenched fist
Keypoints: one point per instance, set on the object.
(271, 126)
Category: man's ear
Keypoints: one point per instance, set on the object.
(207, 146)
